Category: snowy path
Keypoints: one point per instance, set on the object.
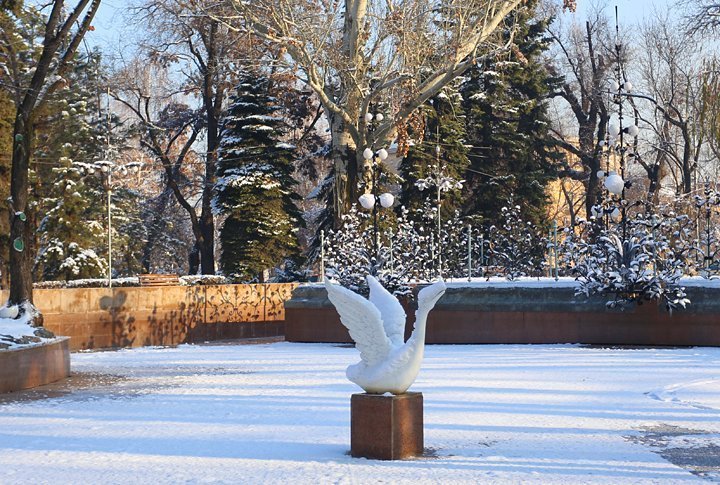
(279, 413)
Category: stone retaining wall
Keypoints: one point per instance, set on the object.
(525, 315)
(34, 366)
(97, 318)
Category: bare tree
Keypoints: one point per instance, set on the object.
(711, 104)
(207, 54)
(671, 67)
(703, 15)
(61, 38)
(362, 56)
(168, 129)
(586, 59)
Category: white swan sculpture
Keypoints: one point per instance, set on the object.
(388, 364)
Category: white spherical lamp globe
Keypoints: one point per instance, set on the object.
(368, 117)
(367, 201)
(627, 86)
(387, 199)
(614, 129)
(367, 154)
(379, 117)
(382, 154)
(614, 183)
(633, 130)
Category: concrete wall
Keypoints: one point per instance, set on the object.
(168, 315)
(510, 315)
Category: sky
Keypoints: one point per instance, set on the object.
(112, 34)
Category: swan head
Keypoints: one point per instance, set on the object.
(428, 296)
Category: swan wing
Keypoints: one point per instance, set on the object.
(391, 311)
(363, 321)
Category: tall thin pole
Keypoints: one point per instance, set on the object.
(482, 255)
(555, 249)
(109, 216)
(439, 222)
(109, 193)
(322, 256)
(469, 248)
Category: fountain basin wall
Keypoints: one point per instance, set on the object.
(36, 365)
(525, 315)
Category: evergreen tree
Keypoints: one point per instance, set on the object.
(73, 222)
(439, 153)
(255, 188)
(507, 127)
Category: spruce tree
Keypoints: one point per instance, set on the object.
(439, 150)
(507, 127)
(255, 189)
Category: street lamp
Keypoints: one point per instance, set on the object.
(368, 201)
(105, 170)
(442, 183)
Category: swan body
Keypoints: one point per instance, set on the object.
(387, 362)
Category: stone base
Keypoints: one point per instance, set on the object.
(386, 427)
(34, 365)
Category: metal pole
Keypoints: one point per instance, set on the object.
(469, 238)
(392, 261)
(557, 273)
(109, 215)
(482, 255)
(322, 256)
(439, 228)
(439, 222)
(375, 215)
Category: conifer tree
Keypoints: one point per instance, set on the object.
(507, 127)
(439, 150)
(254, 190)
(73, 204)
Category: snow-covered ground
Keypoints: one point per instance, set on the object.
(16, 332)
(279, 413)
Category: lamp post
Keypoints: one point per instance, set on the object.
(369, 201)
(442, 183)
(105, 169)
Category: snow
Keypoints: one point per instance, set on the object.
(17, 332)
(280, 413)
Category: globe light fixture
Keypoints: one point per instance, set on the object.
(379, 117)
(382, 154)
(632, 130)
(367, 154)
(614, 129)
(627, 86)
(367, 201)
(614, 183)
(387, 200)
(368, 117)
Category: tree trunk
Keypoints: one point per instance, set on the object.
(20, 261)
(345, 160)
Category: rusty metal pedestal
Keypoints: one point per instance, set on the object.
(386, 427)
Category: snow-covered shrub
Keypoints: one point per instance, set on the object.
(350, 254)
(706, 247)
(630, 261)
(516, 247)
(87, 283)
